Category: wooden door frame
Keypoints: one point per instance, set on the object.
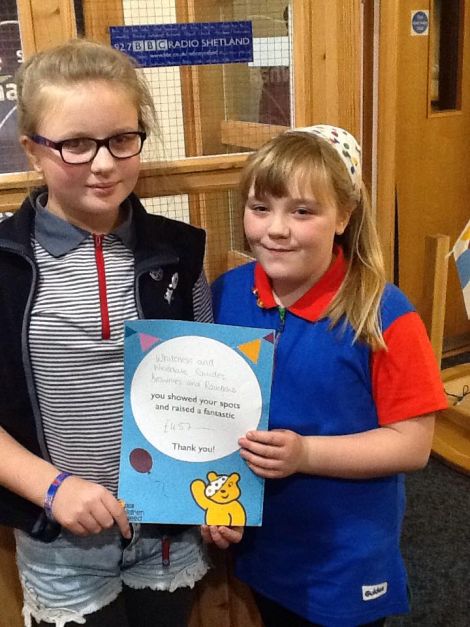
(98, 16)
(45, 23)
(327, 51)
(384, 128)
(385, 155)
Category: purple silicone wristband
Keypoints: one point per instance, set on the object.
(51, 492)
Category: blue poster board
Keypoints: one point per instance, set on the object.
(200, 43)
(191, 390)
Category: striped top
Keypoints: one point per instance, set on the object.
(79, 373)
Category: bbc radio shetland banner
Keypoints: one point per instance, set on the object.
(202, 43)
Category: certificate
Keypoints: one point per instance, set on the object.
(191, 390)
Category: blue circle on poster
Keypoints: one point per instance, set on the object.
(420, 22)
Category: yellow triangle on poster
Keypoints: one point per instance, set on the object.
(251, 350)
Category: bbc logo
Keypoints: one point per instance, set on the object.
(150, 45)
(161, 44)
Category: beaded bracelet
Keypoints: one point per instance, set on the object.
(51, 493)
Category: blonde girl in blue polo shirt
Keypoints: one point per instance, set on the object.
(354, 392)
(80, 256)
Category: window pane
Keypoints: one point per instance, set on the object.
(213, 108)
(446, 55)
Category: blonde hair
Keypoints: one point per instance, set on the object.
(76, 62)
(303, 159)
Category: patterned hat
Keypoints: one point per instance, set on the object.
(345, 145)
(214, 486)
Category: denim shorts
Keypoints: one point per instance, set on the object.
(74, 576)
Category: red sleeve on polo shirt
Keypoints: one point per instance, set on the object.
(406, 380)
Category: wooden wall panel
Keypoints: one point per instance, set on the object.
(327, 63)
(249, 134)
(99, 16)
(25, 19)
(11, 598)
(45, 23)
(222, 600)
(433, 303)
(386, 133)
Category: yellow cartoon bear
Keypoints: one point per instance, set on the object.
(219, 499)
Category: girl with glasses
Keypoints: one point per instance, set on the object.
(78, 258)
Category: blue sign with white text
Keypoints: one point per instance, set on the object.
(202, 43)
(420, 22)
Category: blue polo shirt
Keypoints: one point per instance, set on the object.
(328, 548)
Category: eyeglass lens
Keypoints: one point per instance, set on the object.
(83, 149)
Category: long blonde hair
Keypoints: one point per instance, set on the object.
(311, 162)
(75, 62)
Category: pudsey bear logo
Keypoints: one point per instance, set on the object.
(219, 499)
